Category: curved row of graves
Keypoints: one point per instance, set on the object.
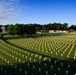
(17, 61)
(50, 48)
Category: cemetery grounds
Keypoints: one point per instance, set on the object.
(42, 54)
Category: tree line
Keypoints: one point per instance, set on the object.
(21, 29)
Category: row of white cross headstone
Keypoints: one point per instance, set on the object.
(75, 55)
(39, 69)
(19, 54)
(45, 64)
(51, 47)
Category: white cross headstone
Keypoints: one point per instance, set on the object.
(23, 62)
(61, 64)
(10, 55)
(49, 60)
(22, 50)
(5, 72)
(42, 50)
(51, 66)
(28, 53)
(28, 64)
(40, 57)
(8, 61)
(67, 56)
(19, 60)
(39, 69)
(61, 54)
(16, 58)
(19, 54)
(33, 67)
(45, 64)
(34, 60)
(15, 67)
(11, 65)
(0, 56)
(1, 69)
(58, 69)
(39, 62)
(25, 72)
(56, 53)
(36, 56)
(30, 59)
(22, 55)
(5, 60)
(46, 72)
(51, 52)
(74, 57)
(67, 72)
(25, 52)
(68, 66)
(47, 51)
(20, 69)
(55, 61)
(26, 57)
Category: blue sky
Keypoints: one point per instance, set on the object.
(37, 11)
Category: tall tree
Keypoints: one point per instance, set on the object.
(19, 29)
(45, 29)
(10, 29)
(30, 29)
(65, 26)
(0, 28)
(73, 27)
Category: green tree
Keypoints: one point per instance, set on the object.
(45, 29)
(30, 29)
(0, 28)
(65, 26)
(73, 27)
(19, 29)
(10, 29)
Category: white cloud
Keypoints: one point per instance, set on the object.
(7, 8)
(11, 10)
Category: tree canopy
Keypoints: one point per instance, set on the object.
(10, 29)
(22, 29)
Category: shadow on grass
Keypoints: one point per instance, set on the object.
(36, 68)
(23, 68)
(71, 61)
(34, 35)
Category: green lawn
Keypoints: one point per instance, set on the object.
(60, 47)
(52, 54)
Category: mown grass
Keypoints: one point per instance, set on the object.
(38, 50)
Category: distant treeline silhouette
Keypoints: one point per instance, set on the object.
(21, 29)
